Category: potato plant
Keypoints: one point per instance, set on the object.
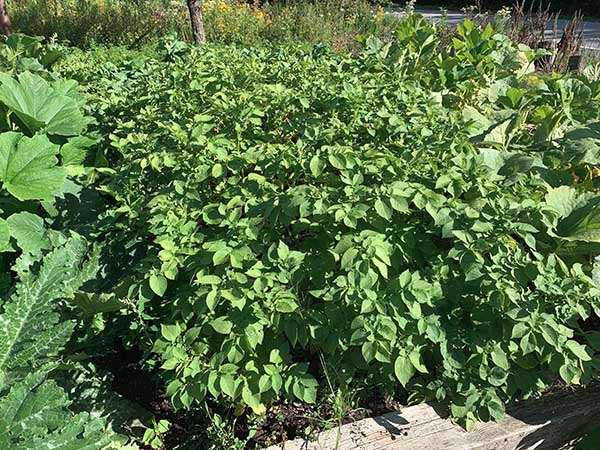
(417, 216)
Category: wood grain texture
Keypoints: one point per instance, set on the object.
(548, 423)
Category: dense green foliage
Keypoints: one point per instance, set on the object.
(418, 216)
(420, 219)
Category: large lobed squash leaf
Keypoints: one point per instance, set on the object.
(38, 104)
(579, 214)
(28, 166)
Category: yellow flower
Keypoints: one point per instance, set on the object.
(379, 15)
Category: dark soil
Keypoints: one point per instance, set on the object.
(290, 420)
(144, 388)
(283, 421)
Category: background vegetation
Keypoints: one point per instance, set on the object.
(84, 23)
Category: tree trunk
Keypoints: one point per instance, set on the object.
(195, 8)
(4, 19)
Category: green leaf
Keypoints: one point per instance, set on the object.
(170, 332)
(29, 232)
(496, 410)
(283, 251)
(519, 330)
(348, 258)
(417, 361)
(582, 146)
(316, 166)
(39, 105)
(383, 209)
(563, 199)
(30, 328)
(399, 204)
(497, 376)
(310, 395)
(368, 351)
(221, 325)
(170, 364)
(583, 224)
(74, 152)
(549, 334)
(404, 369)
(208, 279)
(163, 426)
(569, 373)
(220, 257)
(381, 266)
(212, 299)
(28, 166)
(41, 405)
(217, 170)
(499, 358)
(337, 160)
(578, 350)
(158, 284)
(251, 399)
(227, 384)
(286, 305)
(5, 237)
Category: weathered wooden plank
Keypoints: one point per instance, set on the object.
(548, 423)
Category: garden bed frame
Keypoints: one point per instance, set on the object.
(552, 422)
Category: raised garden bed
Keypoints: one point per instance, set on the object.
(548, 423)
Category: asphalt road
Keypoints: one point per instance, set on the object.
(591, 30)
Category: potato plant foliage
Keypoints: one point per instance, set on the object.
(416, 216)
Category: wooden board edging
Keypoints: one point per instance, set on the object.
(548, 423)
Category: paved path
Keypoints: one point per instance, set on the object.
(591, 30)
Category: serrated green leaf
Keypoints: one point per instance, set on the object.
(39, 105)
(29, 232)
(28, 166)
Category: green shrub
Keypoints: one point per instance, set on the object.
(418, 217)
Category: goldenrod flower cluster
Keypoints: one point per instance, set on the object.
(229, 16)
